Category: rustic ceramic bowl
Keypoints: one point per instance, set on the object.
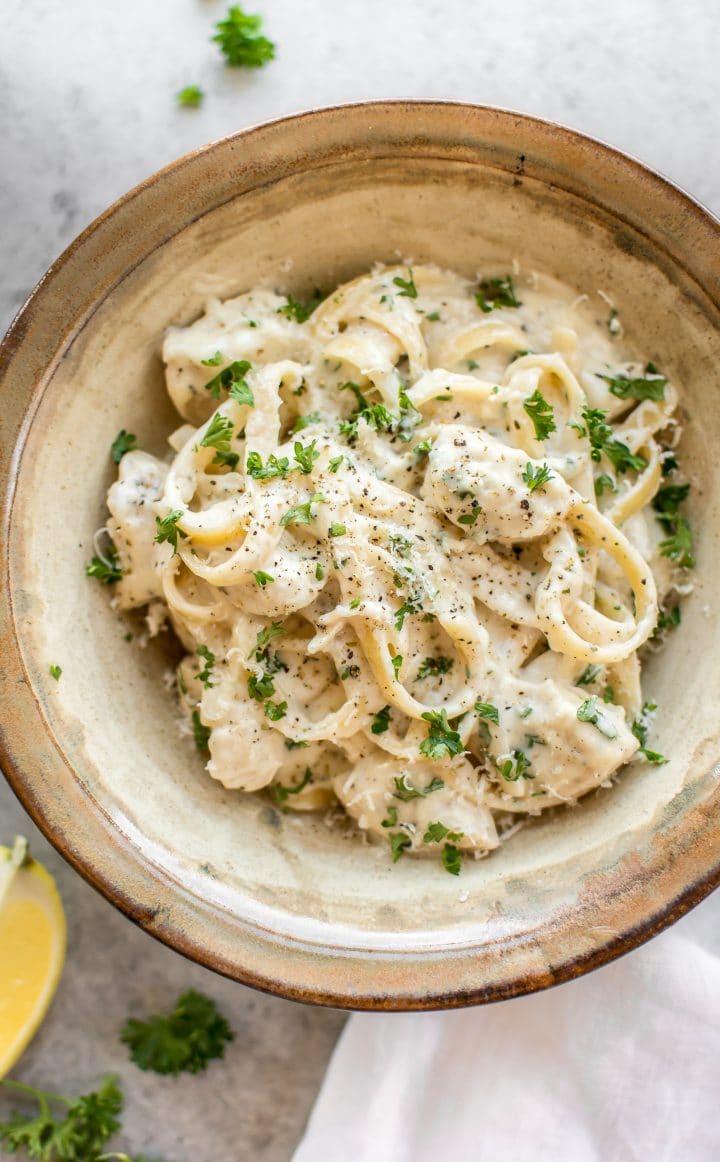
(280, 901)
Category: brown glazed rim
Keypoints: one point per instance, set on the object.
(126, 878)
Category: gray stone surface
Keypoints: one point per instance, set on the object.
(88, 111)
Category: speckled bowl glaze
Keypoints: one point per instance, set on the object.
(278, 901)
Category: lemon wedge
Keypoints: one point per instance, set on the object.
(32, 948)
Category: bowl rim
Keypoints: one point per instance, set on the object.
(173, 932)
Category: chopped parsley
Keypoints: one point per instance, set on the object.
(669, 619)
(514, 766)
(232, 380)
(604, 481)
(436, 832)
(302, 514)
(263, 578)
(678, 544)
(305, 456)
(275, 710)
(275, 466)
(493, 293)
(261, 687)
(214, 360)
(319, 572)
(167, 530)
(240, 40)
(191, 97)
(55, 672)
(536, 477)
(337, 530)
(589, 675)
(206, 673)
(541, 414)
(201, 733)
(401, 544)
(381, 721)
(451, 859)
(408, 607)
(391, 819)
(184, 1042)
(123, 442)
(407, 286)
(298, 309)
(105, 568)
(590, 711)
(396, 663)
(442, 741)
(350, 672)
(335, 463)
(651, 386)
(434, 667)
(264, 637)
(218, 436)
(405, 792)
(487, 711)
(603, 442)
(640, 729)
(280, 792)
(399, 841)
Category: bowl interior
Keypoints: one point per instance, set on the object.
(111, 720)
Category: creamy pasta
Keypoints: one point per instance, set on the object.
(406, 540)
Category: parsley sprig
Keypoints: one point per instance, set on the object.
(603, 442)
(442, 741)
(407, 286)
(241, 41)
(218, 436)
(167, 530)
(78, 1135)
(106, 567)
(536, 477)
(279, 792)
(405, 792)
(591, 711)
(678, 544)
(514, 766)
(298, 309)
(302, 514)
(232, 380)
(185, 1041)
(641, 728)
(435, 667)
(541, 414)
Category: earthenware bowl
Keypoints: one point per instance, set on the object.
(279, 901)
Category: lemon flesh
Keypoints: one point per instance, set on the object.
(32, 949)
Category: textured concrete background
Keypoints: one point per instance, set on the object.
(87, 111)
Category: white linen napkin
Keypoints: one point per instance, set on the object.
(622, 1065)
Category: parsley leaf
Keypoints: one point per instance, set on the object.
(399, 840)
(541, 414)
(298, 310)
(407, 607)
(436, 832)
(603, 442)
(652, 386)
(105, 568)
(305, 456)
(241, 42)
(262, 578)
(167, 529)
(89, 1121)
(536, 477)
(302, 514)
(201, 733)
(590, 711)
(56, 672)
(265, 636)
(275, 710)
(640, 729)
(488, 711)
(192, 1035)
(190, 97)
(335, 463)
(218, 436)
(514, 766)
(404, 791)
(407, 286)
(604, 481)
(667, 620)
(678, 545)
(442, 741)
(261, 687)
(279, 792)
(381, 721)
(496, 292)
(123, 442)
(434, 667)
(305, 421)
(214, 360)
(451, 859)
(337, 530)
(232, 380)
